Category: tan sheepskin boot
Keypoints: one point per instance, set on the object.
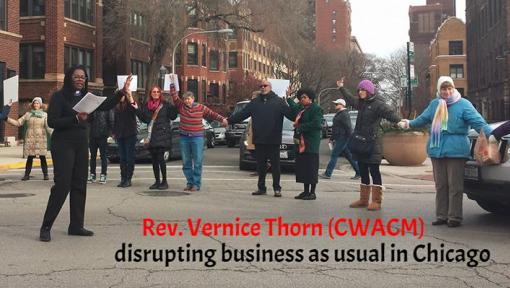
(377, 195)
(364, 196)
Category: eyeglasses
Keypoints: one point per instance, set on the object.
(264, 86)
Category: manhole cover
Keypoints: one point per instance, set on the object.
(16, 195)
(163, 193)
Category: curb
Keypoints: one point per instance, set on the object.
(21, 164)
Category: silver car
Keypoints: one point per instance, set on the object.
(489, 186)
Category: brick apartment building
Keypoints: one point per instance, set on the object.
(488, 54)
(10, 38)
(448, 55)
(42, 38)
(424, 22)
(333, 25)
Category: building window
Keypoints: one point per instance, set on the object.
(455, 48)
(139, 68)
(204, 55)
(204, 90)
(192, 54)
(214, 60)
(80, 10)
(78, 56)
(32, 61)
(232, 59)
(214, 93)
(193, 86)
(457, 71)
(139, 26)
(3, 15)
(333, 14)
(31, 8)
(426, 22)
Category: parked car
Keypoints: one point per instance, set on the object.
(143, 154)
(235, 131)
(489, 186)
(219, 133)
(324, 128)
(247, 159)
(329, 121)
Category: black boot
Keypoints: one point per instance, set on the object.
(28, 168)
(44, 234)
(155, 185)
(155, 169)
(304, 193)
(122, 174)
(311, 195)
(80, 231)
(129, 173)
(162, 166)
(44, 167)
(163, 185)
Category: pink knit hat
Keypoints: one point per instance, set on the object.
(368, 86)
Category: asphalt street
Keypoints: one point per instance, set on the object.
(117, 217)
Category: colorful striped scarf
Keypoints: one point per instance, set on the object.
(440, 121)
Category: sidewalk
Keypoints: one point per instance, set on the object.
(12, 158)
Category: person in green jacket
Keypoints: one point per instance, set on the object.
(307, 136)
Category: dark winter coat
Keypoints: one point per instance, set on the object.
(101, 123)
(266, 112)
(62, 117)
(309, 125)
(124, 123)
(368, 124)
(161, 135)
(342, 128)
(5, 112)
(502, 130)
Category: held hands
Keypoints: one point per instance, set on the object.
(403, 124)
(340, 83)
(224, 123)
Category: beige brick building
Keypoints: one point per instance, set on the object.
(448, 55)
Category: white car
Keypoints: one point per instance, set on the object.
(489, 186)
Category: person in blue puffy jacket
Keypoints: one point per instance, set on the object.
(451, 117)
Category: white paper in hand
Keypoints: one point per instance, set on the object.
(171, 79)
(88, 103)
(121, 79)
(11, 88)
(279, 86)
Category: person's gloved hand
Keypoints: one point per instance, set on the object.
(403, 124)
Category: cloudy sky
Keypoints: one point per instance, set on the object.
(382, 26)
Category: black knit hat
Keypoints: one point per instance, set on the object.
(306, 91)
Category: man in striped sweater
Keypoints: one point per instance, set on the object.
(191, 136)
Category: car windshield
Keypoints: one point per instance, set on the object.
(239, 107)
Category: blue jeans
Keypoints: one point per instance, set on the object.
(127, 149)
(340, 146)
(192, 150)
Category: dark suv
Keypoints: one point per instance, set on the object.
(489, 186)
(235, 131)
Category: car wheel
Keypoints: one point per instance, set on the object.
(210, 143)
(493, 206)
(166, 156)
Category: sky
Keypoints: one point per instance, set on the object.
(382, 26)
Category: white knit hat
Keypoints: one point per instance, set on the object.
(38, 99)
(443, 79)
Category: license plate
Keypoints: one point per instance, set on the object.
(284, 155)
(472, 172)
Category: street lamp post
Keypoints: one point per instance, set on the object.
(193, 33)
(162, 72)
(323, 90)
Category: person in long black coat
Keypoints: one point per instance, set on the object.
(371, 110)
(160, 132)
(69, 151)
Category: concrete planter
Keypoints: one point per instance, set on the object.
(405, 148)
